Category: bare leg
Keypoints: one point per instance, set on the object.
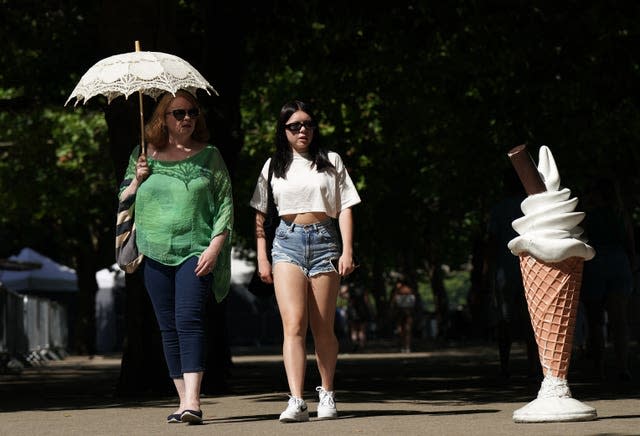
(179, 384)
(504, 346)
(291, 293)
(188, 389)
(192, 382)
(408, 332)
(595, 335)
(362, 334)
(354, 334)
(322, 311)
(616, 305)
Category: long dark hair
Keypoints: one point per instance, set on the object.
(283, 155)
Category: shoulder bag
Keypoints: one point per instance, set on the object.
(127, 256)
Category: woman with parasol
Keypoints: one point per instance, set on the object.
(183, 217)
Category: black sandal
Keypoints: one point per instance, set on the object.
(174, 418)
(191, 416)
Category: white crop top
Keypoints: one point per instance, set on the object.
(307, 190)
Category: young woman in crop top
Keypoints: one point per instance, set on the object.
(311, 187)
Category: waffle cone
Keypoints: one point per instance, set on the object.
(552, 291)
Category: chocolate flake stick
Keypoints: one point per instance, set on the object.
(526, 169)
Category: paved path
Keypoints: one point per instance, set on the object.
(451, 391)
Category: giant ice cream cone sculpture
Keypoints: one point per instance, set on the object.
(552, 254)
(552, 292)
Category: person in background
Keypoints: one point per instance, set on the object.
(184, 219)
(311, 187)
(505, 279)
(403, 308)
(358, 313)
(607, 280)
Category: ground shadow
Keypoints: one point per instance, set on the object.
(448, 376)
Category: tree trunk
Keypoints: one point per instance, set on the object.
(379, 290)
(85, 324)
(479, 297)
(440, 299)
(221, 64)
(143, 369)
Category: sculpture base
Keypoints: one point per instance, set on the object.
(554, 404)
(554, 410)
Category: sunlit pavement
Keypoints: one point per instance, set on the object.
(453, 390)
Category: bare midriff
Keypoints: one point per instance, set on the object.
(306, 217)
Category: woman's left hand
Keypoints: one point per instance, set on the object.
(346, 265)
(206, 262)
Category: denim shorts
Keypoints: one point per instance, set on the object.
(312, 247)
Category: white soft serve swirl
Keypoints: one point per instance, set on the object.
(549, 229)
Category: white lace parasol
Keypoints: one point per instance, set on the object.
(151, 73)
(144, 72)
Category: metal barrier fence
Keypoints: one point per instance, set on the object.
(32, 329)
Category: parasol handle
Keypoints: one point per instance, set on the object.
(143, 147)
(526, 169)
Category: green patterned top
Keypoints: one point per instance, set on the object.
(181, 207)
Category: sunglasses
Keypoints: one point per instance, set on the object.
(297, 126)
(179, 114)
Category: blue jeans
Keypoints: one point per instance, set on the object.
(311, 247)
(178, 297)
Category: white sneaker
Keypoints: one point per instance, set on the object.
(296, 411)
(327, 405)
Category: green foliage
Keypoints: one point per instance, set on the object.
(422, 99)
(43, 43)
(54, 177)
(424, 117)
(457, 283)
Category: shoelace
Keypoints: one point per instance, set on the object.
(296, 402)
(326, 397)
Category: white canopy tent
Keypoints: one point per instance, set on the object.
(241, 269)
(109, 322)
(51, 276)
(44, 313)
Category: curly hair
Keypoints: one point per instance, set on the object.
(155, 131)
